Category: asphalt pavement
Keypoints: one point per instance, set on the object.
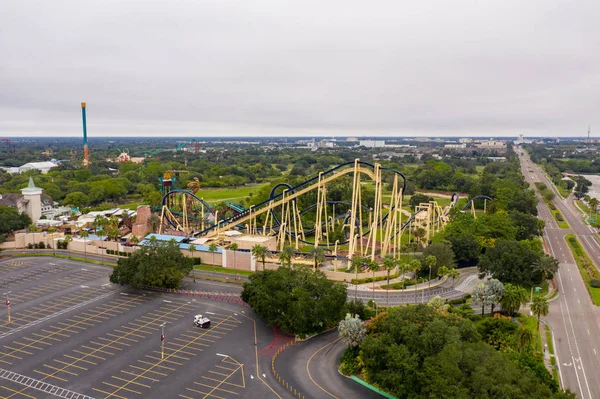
(573, 317)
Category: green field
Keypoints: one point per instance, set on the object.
(229, 194)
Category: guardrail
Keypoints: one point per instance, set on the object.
(284, 384)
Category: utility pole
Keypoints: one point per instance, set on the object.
(162, 341)
(8, 305)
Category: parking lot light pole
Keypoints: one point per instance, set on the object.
(8, 305)
(162, 341)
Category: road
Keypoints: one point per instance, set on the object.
(574, 319)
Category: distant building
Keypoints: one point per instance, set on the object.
(465, 141)
(456, 146)
(491, 145)
(372, 143)
(43, 167)
(351, 139)
(31, 201)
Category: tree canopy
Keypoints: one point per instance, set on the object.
(298, 300)
(159, 264)
(11, 220)
(418, 351)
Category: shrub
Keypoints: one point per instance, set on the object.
(349, 362)
(595, 283)
(458, 301)
(559, 217)
(552, 206)
(41, 245)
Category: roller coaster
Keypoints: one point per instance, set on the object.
(345, 209)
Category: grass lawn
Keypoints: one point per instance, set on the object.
(219, 269)
(586, 267)
(230, 194)
(530, 323)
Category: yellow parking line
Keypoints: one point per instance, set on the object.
(119, 388)
(15, 391)
(134, 382)
(97, 350)
(83, 360)
(166, 360)
(143, 376)
(107, 393)
(88, 354)
(151, 371)
(154, 364)
(17, 350)
(63, 362)
(63, 370)
(46, 375)
(220, 389)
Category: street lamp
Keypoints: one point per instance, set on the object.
(8, 305)
(162, 341)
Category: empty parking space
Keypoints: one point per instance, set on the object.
(73, 335)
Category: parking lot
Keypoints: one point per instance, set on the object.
(72, 334)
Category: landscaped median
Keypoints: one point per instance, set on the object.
(548, 196)
(588, 271)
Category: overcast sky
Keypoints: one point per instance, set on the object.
(278, 67)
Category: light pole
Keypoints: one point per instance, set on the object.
(423, 292)
(8, 305)
(162, 341)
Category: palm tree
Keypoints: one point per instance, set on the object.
(100, 221)
(101, 234)
(404, 268)
(68, 239)
(51, 231)
(135, 240)
(260, 252)
(430, 261)
(373, 267)
(547, 266)
(85, 234)
(192, 249)
(419, 233)
(514, 296)
(453, 274)
(389, 263)
(539, 307)
(318, 256)
(32, 229)
(524, 337)
(285, 256)
(213, 248)
(113, 233)
(593, 203)
(234, 247)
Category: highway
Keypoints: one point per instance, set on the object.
(573, 318)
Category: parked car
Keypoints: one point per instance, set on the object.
(202, 322)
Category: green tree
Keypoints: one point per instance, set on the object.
(453, 274)
(101, 234)
(113, 233)
(514, 296)
(234, 247)
(11, 220)
(285, 256)
(430, 262)
(524, 337)
(318, 256)
(157, 264)
(68, 240)
(539, 307)
(85, 234)
(192, 249)
(373, 267)
(389, 263)
(212, 248)
(32, 229)
(51, 231)
(510, 262)
(495, 291)
(260, 252)
(442, 271)
(298, 301)
(547, 266)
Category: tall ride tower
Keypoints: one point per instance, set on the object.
(85, 143)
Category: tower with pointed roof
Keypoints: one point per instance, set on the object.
(33, 196)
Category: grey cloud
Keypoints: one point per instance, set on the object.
(305, 67)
